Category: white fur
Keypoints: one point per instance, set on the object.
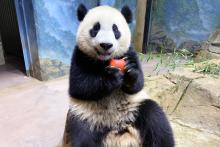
(131, 138)
(112, 111)
(106, 16)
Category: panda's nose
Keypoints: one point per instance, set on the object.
(106, 46)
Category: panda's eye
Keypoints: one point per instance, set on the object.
(114, 27)
(117, 33)
(94, 31)
(96, 27)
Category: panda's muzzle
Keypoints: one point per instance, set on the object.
(104, 49)
(105, 53)
(106, 46)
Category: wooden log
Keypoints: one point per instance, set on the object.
(140, 23)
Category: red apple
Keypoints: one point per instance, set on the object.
(118, 63)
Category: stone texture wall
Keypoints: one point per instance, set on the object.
(2, 60)
(192, 102)
(183, 24)
(211, 48)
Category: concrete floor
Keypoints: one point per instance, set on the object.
(32, 112)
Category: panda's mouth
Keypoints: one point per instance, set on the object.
(107, 53)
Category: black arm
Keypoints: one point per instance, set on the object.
(89, 80)
(133, 77)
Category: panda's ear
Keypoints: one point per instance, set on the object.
(126, 12)
(81, 12)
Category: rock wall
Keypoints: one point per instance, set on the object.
(183, 93)
(211, 48)
(51, 68)
(183, 24)
(192, 101)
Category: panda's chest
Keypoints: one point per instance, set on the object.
(114, 111)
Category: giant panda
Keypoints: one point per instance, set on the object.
(109, 108)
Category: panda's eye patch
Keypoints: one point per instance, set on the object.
(116, 31)
(96, 27)
(94, 31)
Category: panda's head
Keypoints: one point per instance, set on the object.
(104, 32)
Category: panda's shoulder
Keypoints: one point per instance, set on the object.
(131, 51)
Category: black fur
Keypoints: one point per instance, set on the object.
(154, 127)
(81, 12)
(126, 12)
(94, 31)
(92, 79)
(133, 77)
(80, 134)
(117, 33)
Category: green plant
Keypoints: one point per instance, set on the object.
(170, 60)
(207, 67)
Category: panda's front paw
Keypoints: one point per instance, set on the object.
(114, 78)
(131, 71)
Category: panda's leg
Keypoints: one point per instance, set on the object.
(155, 130)
(80, 135)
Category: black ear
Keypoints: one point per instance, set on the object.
(126, 12)
(81, 12)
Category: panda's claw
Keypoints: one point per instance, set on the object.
(129, 70)
(129, 66)
(125, 58)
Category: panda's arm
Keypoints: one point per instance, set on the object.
(89, 82)
(155, 130)
(92, 87)
(133, 78)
